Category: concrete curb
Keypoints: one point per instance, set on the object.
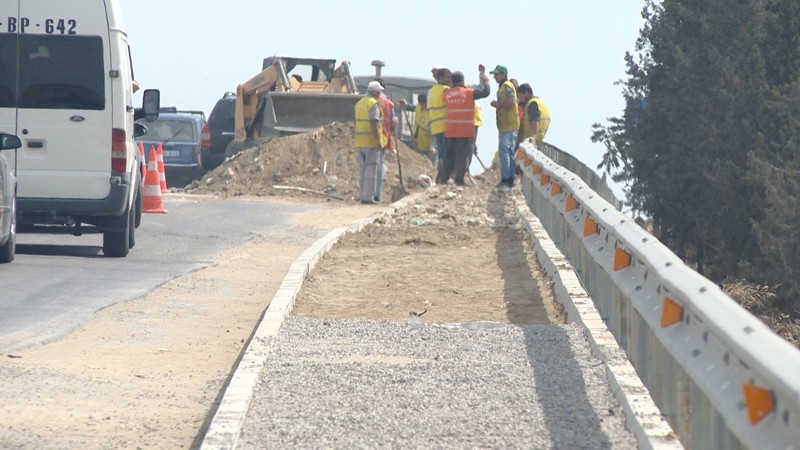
(642, 416)
(223, 432)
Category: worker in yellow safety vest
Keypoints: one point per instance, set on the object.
(535, 117)
(478, 120)
(507, 125)
(437, 112)
(421, 128)
(370, 139)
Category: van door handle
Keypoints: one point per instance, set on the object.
(35, 144)
(129, 108)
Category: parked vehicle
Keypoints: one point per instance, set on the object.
(66, 87)
(218, 132)
(8, 200)
(178, 132)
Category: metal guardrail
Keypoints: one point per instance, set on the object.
(720, 376)
(576, 166)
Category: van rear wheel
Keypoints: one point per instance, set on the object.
(138, 216)
(132, 231)
(116, 244)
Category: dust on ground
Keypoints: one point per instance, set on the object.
(454, 254)
(111, 385)
(322, 163)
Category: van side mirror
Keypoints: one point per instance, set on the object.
(151, 103)
(139, 130)
(9, 141)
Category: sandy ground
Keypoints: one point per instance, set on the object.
(110, 385)
(442, 271)
(455, 256)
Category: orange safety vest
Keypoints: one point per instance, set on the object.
(387, 106)
(460, 117)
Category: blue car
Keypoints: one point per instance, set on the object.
(178, 132)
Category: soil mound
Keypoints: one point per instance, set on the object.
(321, 163)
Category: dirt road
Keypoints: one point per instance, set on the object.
(456, 256)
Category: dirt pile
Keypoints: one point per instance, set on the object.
(322, 163)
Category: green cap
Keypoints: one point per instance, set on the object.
(499, 69)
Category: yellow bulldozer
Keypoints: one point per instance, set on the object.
(294, 95)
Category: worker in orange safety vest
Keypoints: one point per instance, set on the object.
(459, 132)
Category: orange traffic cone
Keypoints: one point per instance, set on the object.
(152, 202)
(144, 164)
(162, 176)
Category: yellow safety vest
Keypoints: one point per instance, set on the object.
(544, 121)
(508, 118)
(437, 109)
(423, 135)
(364, 137)
(478, 118)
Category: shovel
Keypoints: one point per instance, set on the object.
(399, 191)
(482, 164)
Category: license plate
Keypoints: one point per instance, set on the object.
(172, 153)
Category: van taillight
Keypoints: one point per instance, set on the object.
(119, 151)
(205, 136)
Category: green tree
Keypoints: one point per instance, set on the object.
(777, 167)
(701, 77)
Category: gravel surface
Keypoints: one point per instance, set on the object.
(378, 384)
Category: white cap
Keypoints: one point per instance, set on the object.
(374, 86)
(437, 67)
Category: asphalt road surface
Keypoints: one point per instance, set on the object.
(58, 281)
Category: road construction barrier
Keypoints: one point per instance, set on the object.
(162, 175)
(152, 201)
(140, 146)
(719, 375)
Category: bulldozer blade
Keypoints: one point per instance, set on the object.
(296, 112)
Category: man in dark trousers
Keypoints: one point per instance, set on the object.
(459, 132)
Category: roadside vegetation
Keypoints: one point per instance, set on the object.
(708, 146)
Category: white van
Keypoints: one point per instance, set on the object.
(66, 89)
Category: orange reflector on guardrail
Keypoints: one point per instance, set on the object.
(544, 179)
(622, 259)
(671, 312)
(527, 161)
(589, 227)
(536, 170)
(555, 189)
(759, 401)
(571, 203)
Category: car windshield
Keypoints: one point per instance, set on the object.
(170, 130)
(55, 72)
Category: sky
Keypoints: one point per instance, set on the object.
(571, 53)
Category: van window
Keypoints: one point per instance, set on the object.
(55, 72)
(8, 73)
